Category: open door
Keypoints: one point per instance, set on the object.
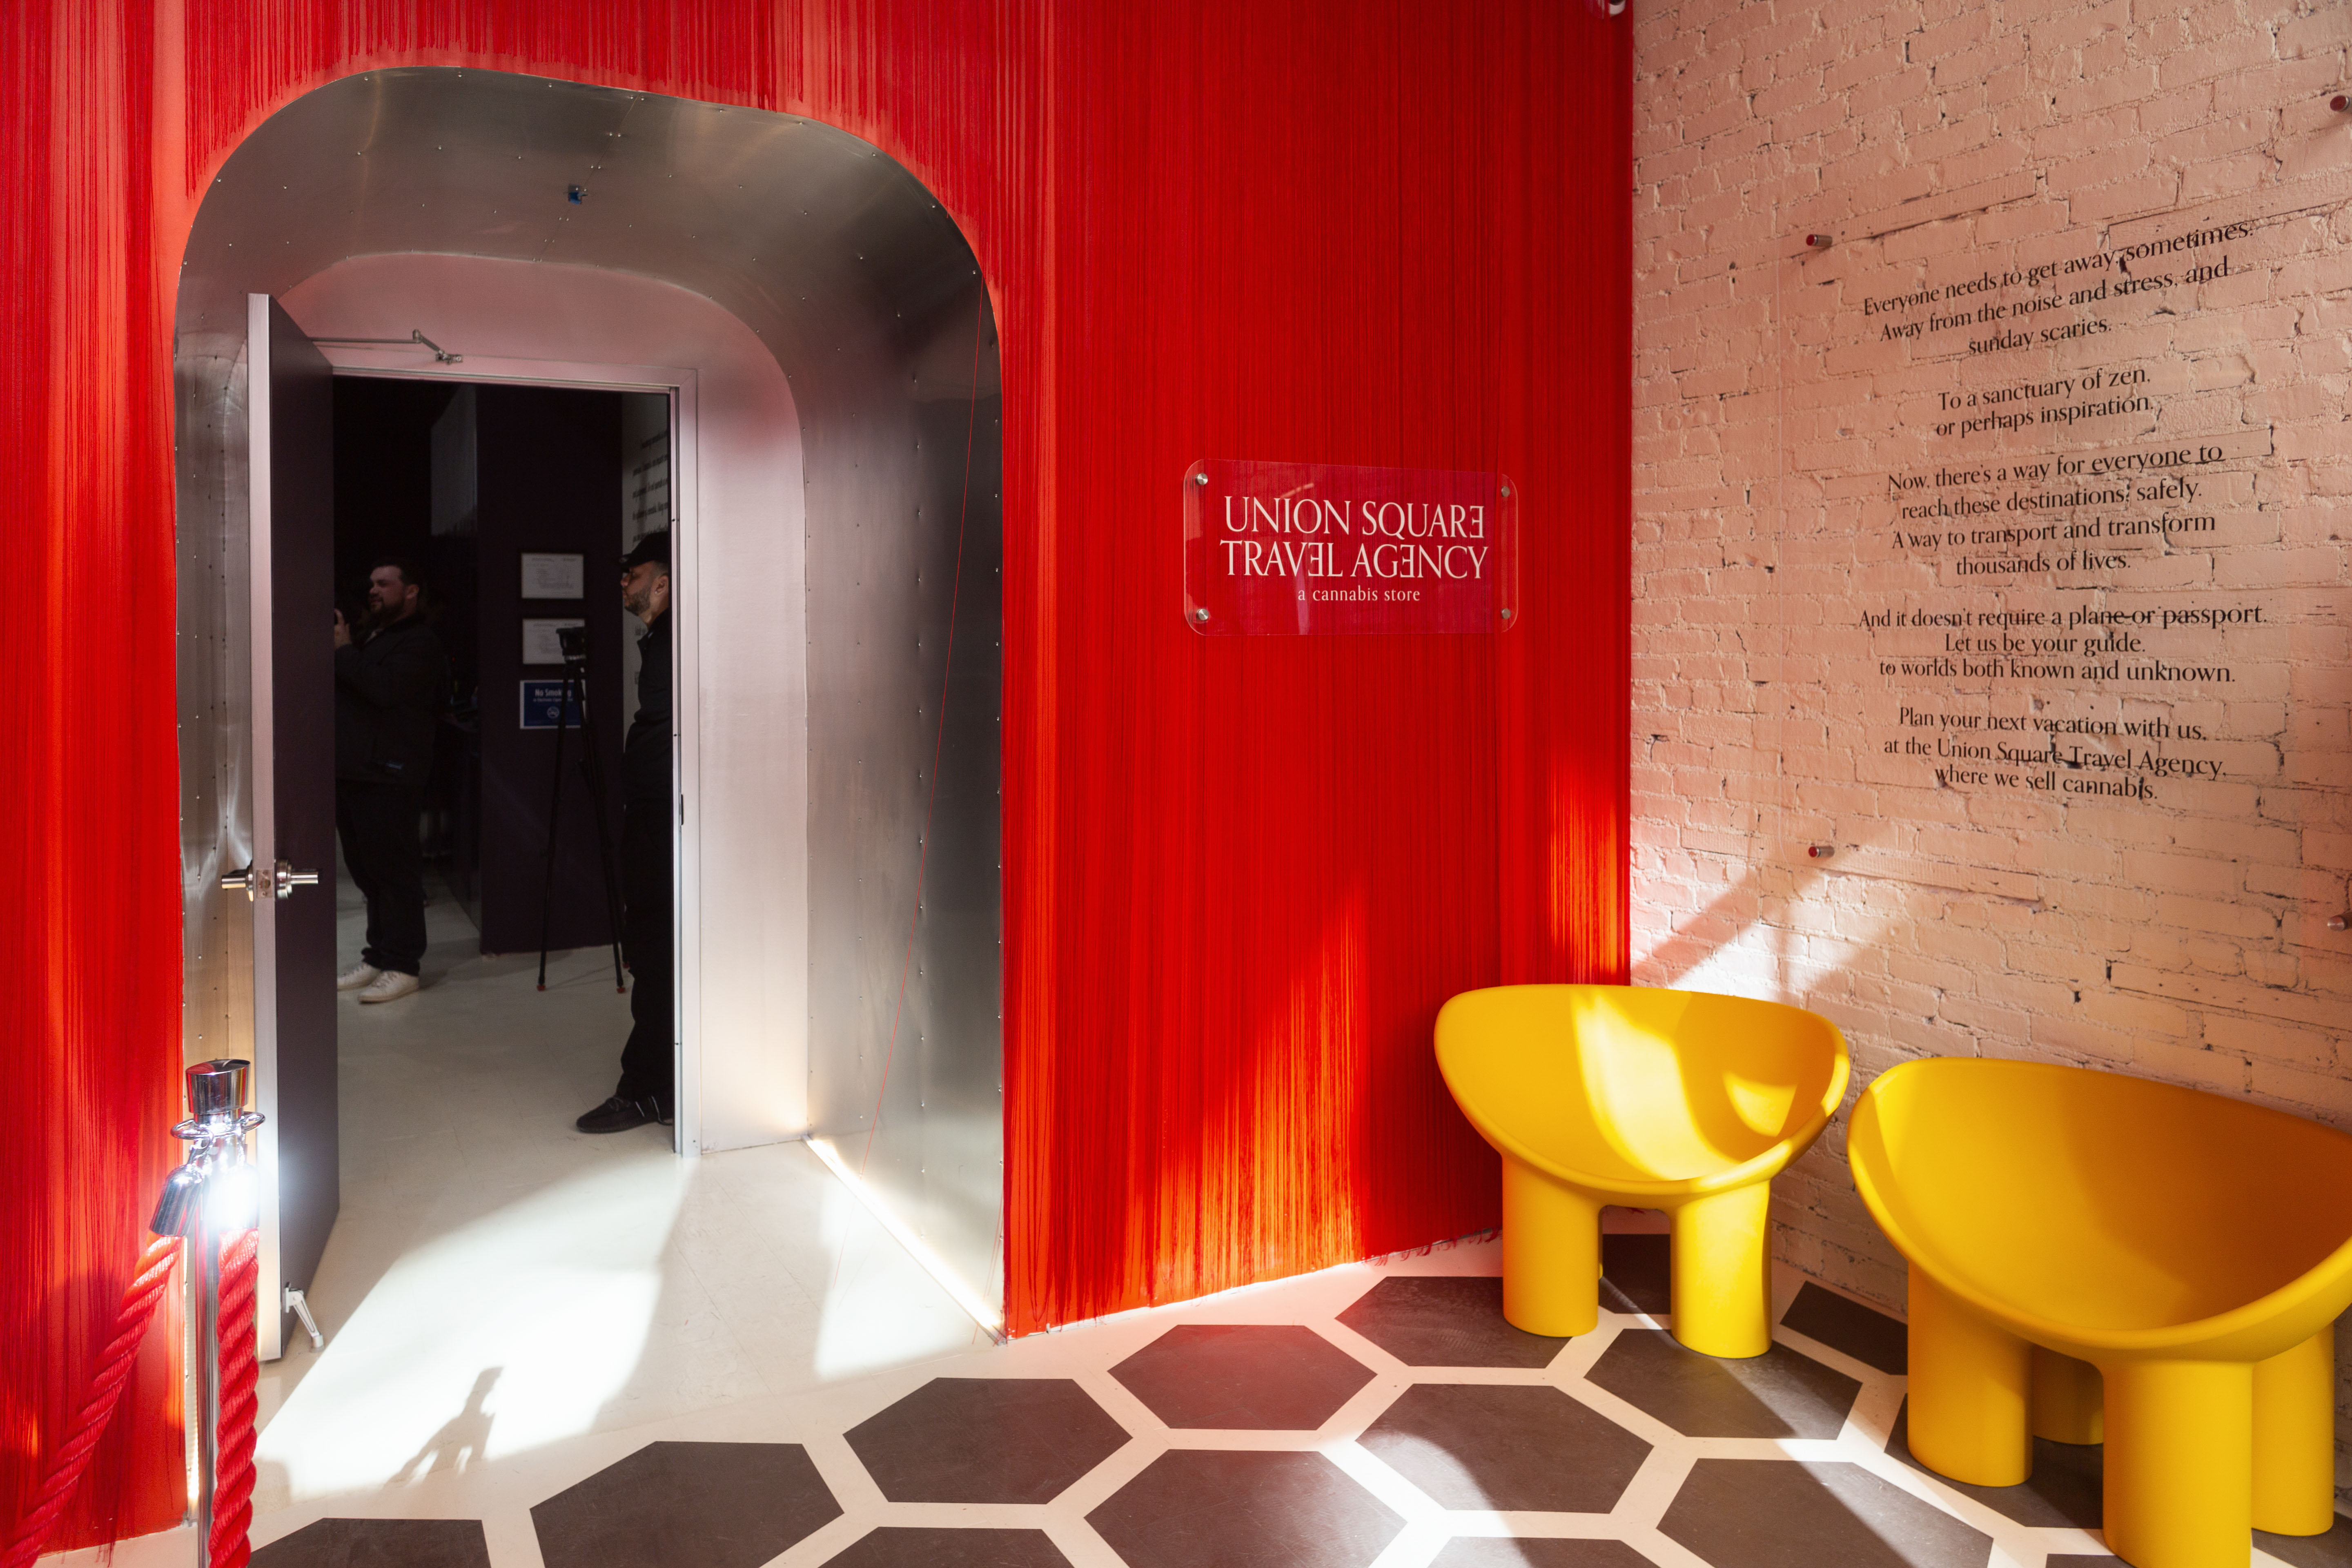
(290, 408)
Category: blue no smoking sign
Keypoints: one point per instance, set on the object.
(541, 699)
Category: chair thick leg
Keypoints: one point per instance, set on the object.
(2294, 1439)
(1552, 1254)
(1723, 1295)
(2068, 1402)
(1970, 1383)
(2180, 1463)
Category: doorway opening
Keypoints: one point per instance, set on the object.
(513, 886)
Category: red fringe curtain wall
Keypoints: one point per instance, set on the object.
(1240, 875)
(90, 943)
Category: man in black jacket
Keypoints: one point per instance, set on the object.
(648, 809)
(389, 683)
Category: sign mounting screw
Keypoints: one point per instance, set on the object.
(1201, 615)
(1201, 479)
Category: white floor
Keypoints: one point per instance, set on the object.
(511, 1306)
(499, 1282)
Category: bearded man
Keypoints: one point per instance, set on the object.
(391, 679)
(648, 810)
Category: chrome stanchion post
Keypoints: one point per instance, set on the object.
(211, 1196)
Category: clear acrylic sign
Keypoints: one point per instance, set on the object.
(1305, 549)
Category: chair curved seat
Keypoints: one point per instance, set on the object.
(2194, 1249)
(1679, 1101)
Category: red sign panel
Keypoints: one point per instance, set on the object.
(1301, 549)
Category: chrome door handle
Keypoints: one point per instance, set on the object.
(277, 882)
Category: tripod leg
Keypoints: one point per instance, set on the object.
(592, 767)
(554, 796)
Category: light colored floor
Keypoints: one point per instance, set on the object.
(499, 1282)
(512, 1307)
(468, 1470)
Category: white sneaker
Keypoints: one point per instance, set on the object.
(389, 986)
(357, 975)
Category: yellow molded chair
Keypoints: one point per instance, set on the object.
(2071, 1232)
(1662, 1100)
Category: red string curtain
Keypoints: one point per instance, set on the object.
(90, 946)
(1240, 874)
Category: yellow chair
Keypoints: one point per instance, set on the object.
(2070, 1232)
(1661, 1100)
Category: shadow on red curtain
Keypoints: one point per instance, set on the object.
(1240, 874)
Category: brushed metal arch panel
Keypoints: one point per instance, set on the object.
(871, 301)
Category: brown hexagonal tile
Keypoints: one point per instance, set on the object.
(1780, 1513)
(1208, 1508)
(1843, 1324)
(1637, 1273)
(1446, 1319)
(902, 1546)
(1777, 1395)
(2333, 1549)
(1506, 1445)
(686, 1505)
(2063, 1491)
(380, 1543)
(1256, 1375)
(986, 1439)
(1490, 1551)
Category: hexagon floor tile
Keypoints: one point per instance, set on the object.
(1777, 1395)
(1506, 1445)
(1637, 1273)
(1446, 1319)
(1490, 1552)
(380, 1543)
(2063, 1491)
(986, 1439)
(898, 1546)
(669, 1505)
(1868, 1335)
(1212, 1508)
(2333, 1549)
(1778, 1513)
(1260, 1376)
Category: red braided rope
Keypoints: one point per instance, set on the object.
(240, 1373)
(145, 1294)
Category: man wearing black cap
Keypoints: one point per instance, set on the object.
(647, 810)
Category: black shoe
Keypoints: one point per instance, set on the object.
(618, 1115)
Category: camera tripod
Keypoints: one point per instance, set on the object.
(591, 771)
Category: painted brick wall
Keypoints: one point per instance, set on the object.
(2188, 945)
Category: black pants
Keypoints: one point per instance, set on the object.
(648, 942)
(378, 826)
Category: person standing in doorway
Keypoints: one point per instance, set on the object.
(647, 795)
(390, 678)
